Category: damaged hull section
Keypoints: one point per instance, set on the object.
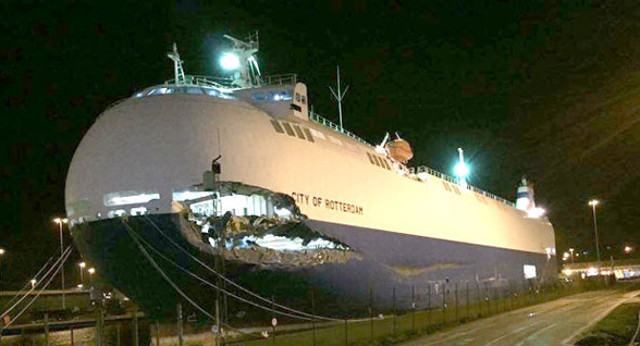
(361, 262)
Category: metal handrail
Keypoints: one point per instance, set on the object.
(227, 83)
(327, 123)
(425, 169)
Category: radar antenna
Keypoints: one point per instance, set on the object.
(248, 74)
(339, 96)
(178, 71)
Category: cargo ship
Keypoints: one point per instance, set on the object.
(239, 175)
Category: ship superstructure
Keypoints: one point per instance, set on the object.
(241, 169)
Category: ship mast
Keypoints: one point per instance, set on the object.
(339, 96)
(178, 71)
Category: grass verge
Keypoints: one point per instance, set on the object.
(615, 329)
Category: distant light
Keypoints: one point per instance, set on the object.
(627, 249)
(594, 202)
(592, 271)
(82, 264)
(535, 213)
(229, 61)
(1, 251)
(80, 286)
(567, 272)
(461, 170)
(33, 283)
(60, 220)
(92, 270)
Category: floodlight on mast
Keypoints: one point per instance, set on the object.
(241, 58)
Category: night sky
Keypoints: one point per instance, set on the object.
(547, 89)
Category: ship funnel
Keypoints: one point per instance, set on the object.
(524, 198)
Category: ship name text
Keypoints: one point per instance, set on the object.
(328, 203)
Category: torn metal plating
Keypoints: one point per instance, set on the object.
(277, 238)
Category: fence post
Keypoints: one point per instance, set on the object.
(135, 325)
(219, 323)
(479, 301)
(487, 290)
(180, 331)
(371, 312)
(413, 309)
(394, 311)
(273, 318)
(157, 333)
(313, 311)
(444, 303)
(467, 299)
(346, 332)
(71, 332)
(455, 297)
(118, 335)
(429, 305)
(46, 329)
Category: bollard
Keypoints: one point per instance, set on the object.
(71, 331)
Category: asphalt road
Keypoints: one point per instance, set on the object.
(558, 322)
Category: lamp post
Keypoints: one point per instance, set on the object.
(82, 265)
(571, 250)
(593, 203)
(91, 271)
(61, 221)
(1, 254)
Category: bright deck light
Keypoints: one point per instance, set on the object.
(461, 170)
(229, 61)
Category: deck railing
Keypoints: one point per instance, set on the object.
(327, 123)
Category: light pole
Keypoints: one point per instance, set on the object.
(61, 221)
(91, 271)
(1, 254)
(593, 203)
(571, 250)
(82, 265)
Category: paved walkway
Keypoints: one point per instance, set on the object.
(558, 322)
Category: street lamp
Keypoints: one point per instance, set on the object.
(82, 265)
(1, 254)
(33, 283)
(571, 250)
(593, 203)
(61, 221)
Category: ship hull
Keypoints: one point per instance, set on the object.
(390, 269)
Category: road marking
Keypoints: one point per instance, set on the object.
(536, 333)
(454, 336)
(518, 330)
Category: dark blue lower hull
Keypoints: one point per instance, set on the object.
(389, 262)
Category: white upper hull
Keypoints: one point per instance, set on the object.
(164, 144)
